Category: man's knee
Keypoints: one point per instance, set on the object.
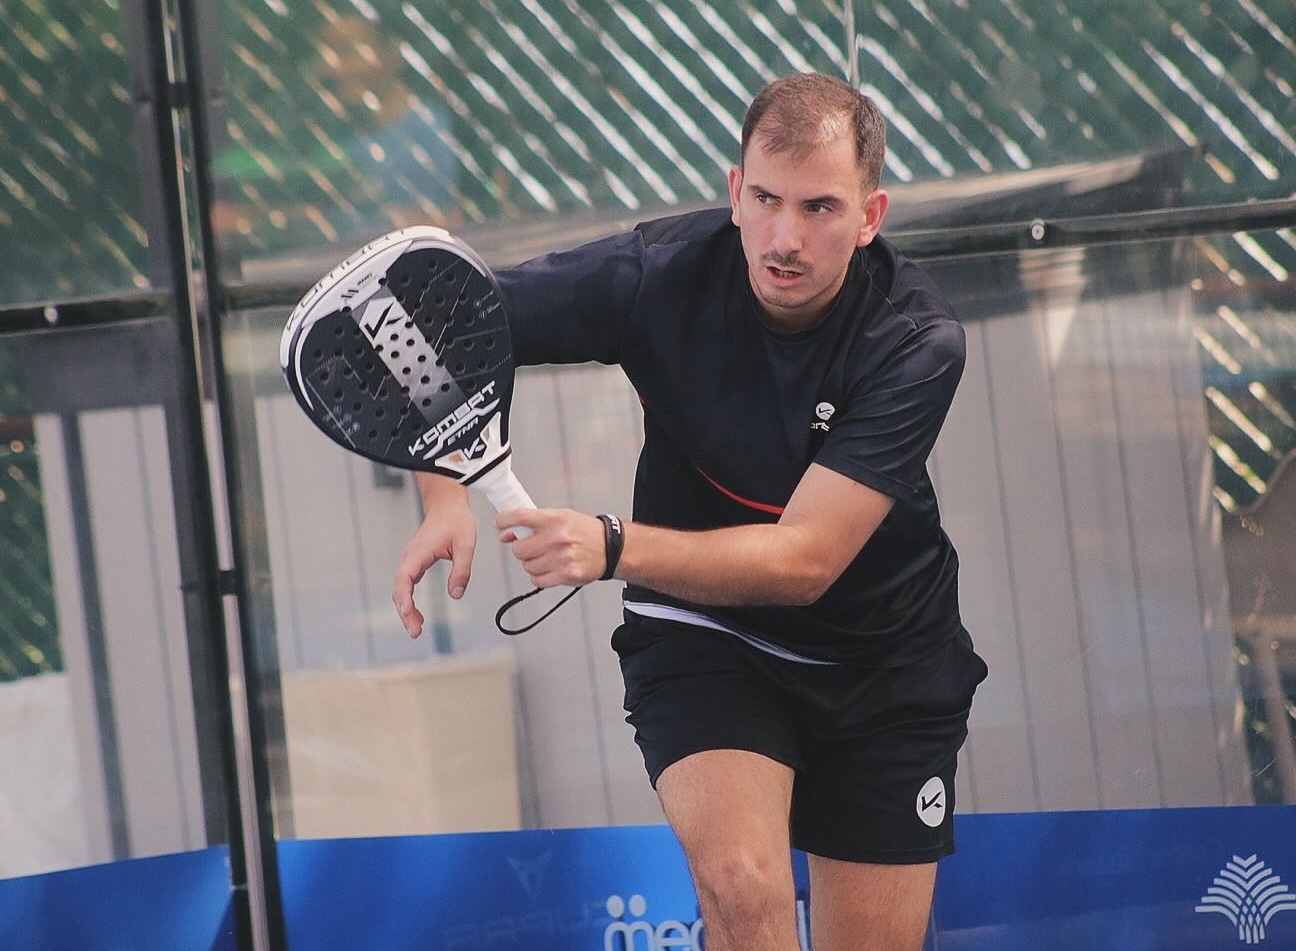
(743, 884)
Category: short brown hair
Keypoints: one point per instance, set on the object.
(802, 111)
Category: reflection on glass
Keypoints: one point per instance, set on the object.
(70, 213)
(1246, 336)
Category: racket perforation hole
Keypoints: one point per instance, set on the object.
(445, 387)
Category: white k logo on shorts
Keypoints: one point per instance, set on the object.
(931, 802)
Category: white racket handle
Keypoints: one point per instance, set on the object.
(505, 492)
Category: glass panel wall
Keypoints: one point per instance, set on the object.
(114, 739)
(111, 730)
(1124, 409)
(1116, 470)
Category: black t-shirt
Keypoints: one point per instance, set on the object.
(734, 413)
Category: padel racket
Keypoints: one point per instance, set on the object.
(402, 354)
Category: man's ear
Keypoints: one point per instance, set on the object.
(735, 192)
(875, 209)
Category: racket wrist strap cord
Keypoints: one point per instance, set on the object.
(613, 542)
(514, 602)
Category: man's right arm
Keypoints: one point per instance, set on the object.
(447, 533)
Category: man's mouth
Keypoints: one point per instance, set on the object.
(782, 275)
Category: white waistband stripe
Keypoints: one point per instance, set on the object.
(666, 612)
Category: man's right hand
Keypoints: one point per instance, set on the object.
(448, 533)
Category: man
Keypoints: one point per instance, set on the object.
(795, 666)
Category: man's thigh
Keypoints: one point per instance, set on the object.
(728, 799)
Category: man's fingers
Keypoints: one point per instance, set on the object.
(526, 518)
(460, 571)
(403, 597)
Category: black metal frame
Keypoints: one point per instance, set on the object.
(165, 97)
(921, 244)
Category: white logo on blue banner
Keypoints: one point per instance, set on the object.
(631, 930)
(1248, 893)
(622, 934)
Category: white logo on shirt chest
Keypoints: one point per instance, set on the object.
(824, 412)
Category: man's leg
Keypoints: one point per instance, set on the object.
(729, 810)
(863, 907)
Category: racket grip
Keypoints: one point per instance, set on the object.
(504, 491)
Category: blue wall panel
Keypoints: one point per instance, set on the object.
(168, 903)
(1125, 880)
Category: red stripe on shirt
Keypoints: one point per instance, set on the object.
(758, 506)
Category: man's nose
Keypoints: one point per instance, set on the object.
(788, 235)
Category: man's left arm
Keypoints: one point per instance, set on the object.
(793, 561)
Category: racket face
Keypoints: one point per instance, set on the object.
(402, 355)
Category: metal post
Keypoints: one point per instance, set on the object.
(165, 98)
(852, 45)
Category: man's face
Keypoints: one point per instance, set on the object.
(801, 218)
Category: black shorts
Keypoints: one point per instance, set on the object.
(874, 749)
